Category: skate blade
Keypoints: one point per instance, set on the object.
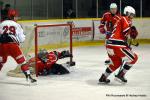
(103, 83)
(118, 80)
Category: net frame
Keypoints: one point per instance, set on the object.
(36, 42)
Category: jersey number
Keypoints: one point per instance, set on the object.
(9, 30)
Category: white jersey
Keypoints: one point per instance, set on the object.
(13, 30)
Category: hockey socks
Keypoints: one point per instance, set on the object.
(103, 78)
(121, 74)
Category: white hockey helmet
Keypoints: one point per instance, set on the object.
(113, 5)
(129, 10)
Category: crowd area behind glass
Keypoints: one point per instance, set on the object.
(58, 9)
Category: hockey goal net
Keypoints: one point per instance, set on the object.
(56, 37)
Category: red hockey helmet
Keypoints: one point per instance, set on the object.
(12, 13)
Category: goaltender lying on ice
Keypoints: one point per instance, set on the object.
(47, 63)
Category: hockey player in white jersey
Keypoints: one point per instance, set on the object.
(11, 35)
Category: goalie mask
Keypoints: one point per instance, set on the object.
(43, 55)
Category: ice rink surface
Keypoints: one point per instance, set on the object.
(81, 84)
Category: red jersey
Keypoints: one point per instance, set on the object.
(52, 58)
(117, 46)
(121, 29)
(109, 21)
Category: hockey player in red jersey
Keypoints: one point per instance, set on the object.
(108, 21)
(11, 35)
(47, 62)
(118, 49)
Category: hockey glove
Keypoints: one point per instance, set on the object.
(65, 54)
(133, 32)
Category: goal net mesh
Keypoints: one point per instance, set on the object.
(56, 37)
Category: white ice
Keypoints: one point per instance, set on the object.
(81, 84)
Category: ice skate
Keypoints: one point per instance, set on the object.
(103, 79)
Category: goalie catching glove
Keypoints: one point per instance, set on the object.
(65, 54)
(133, 32)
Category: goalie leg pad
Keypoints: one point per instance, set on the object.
(59, 69)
